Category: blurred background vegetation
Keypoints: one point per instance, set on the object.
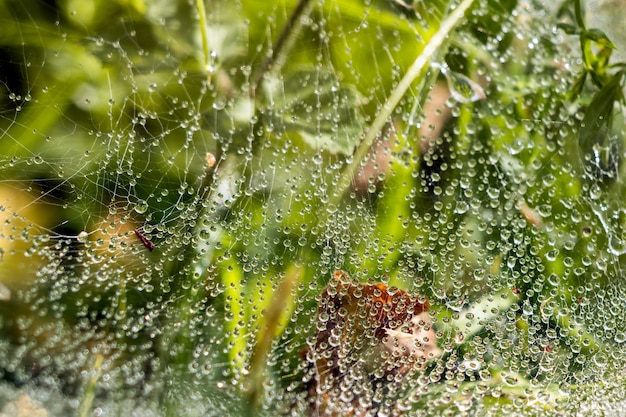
(180, 180)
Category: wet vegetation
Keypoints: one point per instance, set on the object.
(328, 208)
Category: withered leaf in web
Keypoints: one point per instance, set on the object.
(368, 336)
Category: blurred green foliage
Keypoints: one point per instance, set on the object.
(510, 220)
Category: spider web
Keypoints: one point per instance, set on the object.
(180, 187)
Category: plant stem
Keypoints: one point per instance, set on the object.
(203, 32)
(578, 12)
(90, 390)
(396, 95)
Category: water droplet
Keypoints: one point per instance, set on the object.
(318, 159)
(516, 147)
(493, 193)
(510, 380)
(479, 274)
(82, 237)
(595, 192)
(219, 103)
(462, 89)
(461, 207)
(213, 62)
(141, 206)
(552, 254)
(617, 245)
(511, 261)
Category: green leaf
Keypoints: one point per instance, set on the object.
(312, 104)
(578, 85)
(567, 28)
(599, 111)
(594, 133)
(599, 37)
(232, 276)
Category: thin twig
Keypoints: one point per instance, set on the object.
(283, 44)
